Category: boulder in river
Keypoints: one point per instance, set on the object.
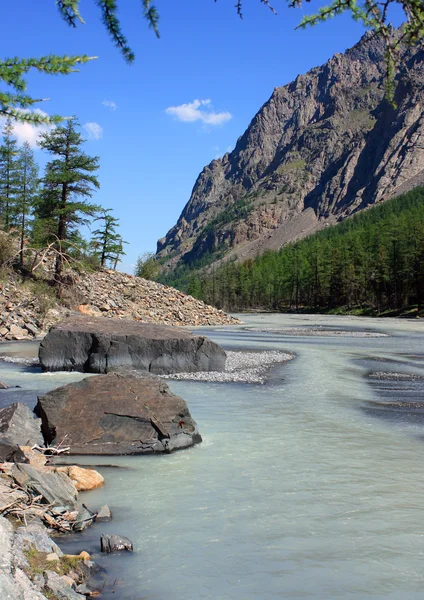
(99, 345)
(117, 414)
(115, 543)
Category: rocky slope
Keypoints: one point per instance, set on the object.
(322, 147)
(27, 311)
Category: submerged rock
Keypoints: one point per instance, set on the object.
(99, 345)
(115, 543)
(117, 414)
(104, 514)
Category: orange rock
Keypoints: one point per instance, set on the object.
(84, 479)
(84, 555)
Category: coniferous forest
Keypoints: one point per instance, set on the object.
(44, 214)
(372, 262)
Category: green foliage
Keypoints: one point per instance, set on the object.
(45, 295)
(147, 267)
(236, 212)
(106, 241)
(7, 251)
(68, 180)
(291, 166)
(27, 191)
(9, 175)
(373, 261)
(15, 103)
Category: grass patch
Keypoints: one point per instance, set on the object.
(38, 563)
(291, 166)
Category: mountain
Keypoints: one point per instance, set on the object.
(321, 148)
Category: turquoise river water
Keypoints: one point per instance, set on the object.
(308, 487)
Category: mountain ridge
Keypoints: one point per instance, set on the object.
(328, 141)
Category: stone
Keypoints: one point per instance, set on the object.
(84, 479)
(10, 452)
(52, 557)
(18, 425)
(33, 330)
(99, 345)
(104, 514)
(8, 495)
(35, 458)
(115, 543)
(117, 414)
(84, 555)
(84, 519)
(3, 386)
(35, 536)
(17, 331)
(56, 488)
(55, 584)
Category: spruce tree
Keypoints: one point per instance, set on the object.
(106, 239)
(9, 169)
(69, 179)
(26, 193)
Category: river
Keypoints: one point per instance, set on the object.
(307, 487)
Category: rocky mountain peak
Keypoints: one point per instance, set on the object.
(322, 147)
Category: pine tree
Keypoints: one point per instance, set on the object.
(26, 193)
(68, 180)
(9, 169)
(106, 239)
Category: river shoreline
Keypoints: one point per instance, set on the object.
(295, 483)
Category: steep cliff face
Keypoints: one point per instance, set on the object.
(322, 147)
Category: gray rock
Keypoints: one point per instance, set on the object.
(10, 452)
(83, 589)
(14, 584)
(115, 543)
(104, 514)
(3, 386)
(33, 330)
(17, 425)
(56, 488)
(84, 519)
(99, 345)
(60, 588)
(117, 414)
(34, 535)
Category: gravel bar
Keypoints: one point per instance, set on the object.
(317, 331)
(241, 367)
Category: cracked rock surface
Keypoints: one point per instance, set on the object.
(117, 414)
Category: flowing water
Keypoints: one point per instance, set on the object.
(310, 486)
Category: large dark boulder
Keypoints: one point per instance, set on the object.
(99, 345)
(18, 426)
(117, 414)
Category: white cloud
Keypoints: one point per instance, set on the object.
(27, 132)
(198, 110)
(110, 104)
(94, 131)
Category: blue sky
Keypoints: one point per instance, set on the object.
(151, 147)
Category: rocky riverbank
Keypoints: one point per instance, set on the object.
(28, 309)
(39, 500)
